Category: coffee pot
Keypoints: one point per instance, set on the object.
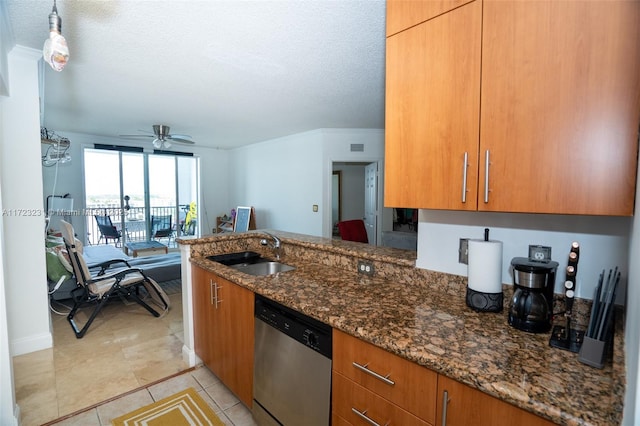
(533, 287)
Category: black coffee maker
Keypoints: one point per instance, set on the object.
(533, 286)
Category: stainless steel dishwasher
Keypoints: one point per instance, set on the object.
(292, 367)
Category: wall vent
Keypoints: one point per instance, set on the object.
(357, 147)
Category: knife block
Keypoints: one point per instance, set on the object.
(593, 351)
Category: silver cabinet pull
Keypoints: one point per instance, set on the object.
(445, 403)
(464, 177)
(363, 416)
(216, 288)
(374, 374)
(486, 176)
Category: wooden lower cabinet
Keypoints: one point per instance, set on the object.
(364, 373)
(359, 406)
(389, 389)
(467, 406)
(223, 330)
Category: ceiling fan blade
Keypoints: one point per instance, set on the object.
(181, 140)
(136, 136)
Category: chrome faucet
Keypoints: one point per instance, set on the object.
(276, 245)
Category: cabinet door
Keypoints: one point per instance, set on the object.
(432, 112)
(359, 406)
(467, 406)
(202, 314)
(236, 338)
(398, 380)
(560, 106)
(402, 14)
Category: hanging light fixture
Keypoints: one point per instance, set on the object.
(161, 143)
(55, 50)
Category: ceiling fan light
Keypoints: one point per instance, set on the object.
(166, 144)
(157, 143)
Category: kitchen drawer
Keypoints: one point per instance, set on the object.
(349, 396)
(412, 386)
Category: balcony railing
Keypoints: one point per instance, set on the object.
(137, 226)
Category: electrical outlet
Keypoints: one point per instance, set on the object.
(463, 251)
(365, 267)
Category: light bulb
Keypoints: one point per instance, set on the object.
(157, 143)
(55, 50)
(166, 144)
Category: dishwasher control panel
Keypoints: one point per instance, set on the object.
(304, 329)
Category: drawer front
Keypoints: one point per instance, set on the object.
(358, 406)
(396, 379)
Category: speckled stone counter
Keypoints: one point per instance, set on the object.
(422, 316)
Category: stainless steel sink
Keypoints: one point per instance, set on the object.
(263, 268)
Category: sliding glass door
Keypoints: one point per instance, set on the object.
(135, 192)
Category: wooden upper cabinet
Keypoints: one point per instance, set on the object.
(432, 112)
(560, 106)
(402, 14)
(554, 111)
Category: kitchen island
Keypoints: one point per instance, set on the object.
(421, 316)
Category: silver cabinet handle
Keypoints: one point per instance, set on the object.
(464, 177)
(486, 176)
(374, 374)
(445, 403)
(363, 416)
(216, 288)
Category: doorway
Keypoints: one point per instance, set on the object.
(356, 195)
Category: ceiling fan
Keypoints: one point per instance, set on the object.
(162, 139)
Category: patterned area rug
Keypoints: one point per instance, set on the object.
(183, 408)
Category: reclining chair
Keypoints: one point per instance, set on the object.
(98, 289)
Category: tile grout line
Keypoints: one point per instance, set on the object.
(91, 407)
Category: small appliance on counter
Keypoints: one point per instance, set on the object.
(564, 335)
(484, 283)
(533, 286)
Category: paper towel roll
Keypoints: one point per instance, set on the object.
(485, 266)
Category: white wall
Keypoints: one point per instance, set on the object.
(352, 194)
(283, 178)
(23, 227)
(632, 326)
(604, 242)
(213, 176)
(6, 44)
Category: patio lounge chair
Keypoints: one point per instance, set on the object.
(98, 289)
(161, 227)
(107, 230)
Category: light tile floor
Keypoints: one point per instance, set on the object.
(124, 349)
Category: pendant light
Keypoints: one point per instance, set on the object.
(55, 50)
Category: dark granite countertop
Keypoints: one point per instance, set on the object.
(422, 316)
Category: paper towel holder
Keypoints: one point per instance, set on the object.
(481, 301)
(484, 302)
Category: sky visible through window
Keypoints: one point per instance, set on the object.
(102, 180)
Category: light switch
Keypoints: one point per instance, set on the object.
(315, 208)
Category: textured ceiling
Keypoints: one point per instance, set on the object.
(226, 72)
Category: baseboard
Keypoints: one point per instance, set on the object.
(189, 356)
(30, 344)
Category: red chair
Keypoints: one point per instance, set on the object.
(353, 230)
